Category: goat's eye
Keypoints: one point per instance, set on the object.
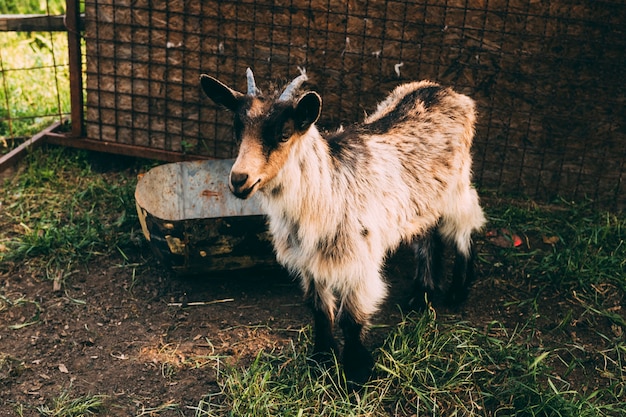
(286, 133)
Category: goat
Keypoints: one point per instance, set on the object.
(339, 203)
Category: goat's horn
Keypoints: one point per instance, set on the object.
(252, 90)
(291, 89)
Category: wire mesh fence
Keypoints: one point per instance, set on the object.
(547, 76)
(34, 71)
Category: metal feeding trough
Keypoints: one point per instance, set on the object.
(193, 222)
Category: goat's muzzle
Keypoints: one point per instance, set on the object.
(240, 185)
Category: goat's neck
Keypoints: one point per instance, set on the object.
(306, 177)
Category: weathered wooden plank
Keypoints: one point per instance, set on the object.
(119, 148)
(12, 158)
(34, 23)
(31, 23)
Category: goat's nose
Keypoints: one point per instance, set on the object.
(238, 179)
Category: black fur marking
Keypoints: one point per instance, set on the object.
(238, 126)
(241, 118)
(326, 246)
(428, 96)
(365, 232)
(347, 148)
(274, 128)
(324, 340)
(277, 127)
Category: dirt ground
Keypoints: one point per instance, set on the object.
(121, 331)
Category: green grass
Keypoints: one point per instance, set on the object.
(53, 7)
(59, 212)
(424, 368)
(438, 366)
(588, 262)
(34, 83)
(434, 366)
(34, 75)
(67, 406)
(560, 351)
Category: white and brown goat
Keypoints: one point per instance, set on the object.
(339, 203)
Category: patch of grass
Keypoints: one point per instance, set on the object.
(10, 367)
(455, 369)
(571, 267)
(280, 383)
(155, 411)
(425, 368)
(6, 303)
(34, 75)
(585, 260)
(60, 212)
(66, 406)
(34, 83)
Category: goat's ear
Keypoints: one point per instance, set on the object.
(220, 93)
(308, 110)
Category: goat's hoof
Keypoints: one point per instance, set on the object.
(358, 365)
(322, 359)
(456, 297)
(417, 304)
(420, 300)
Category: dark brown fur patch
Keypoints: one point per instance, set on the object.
(333, 247)
(277, 191)
(348, 148)
(293, 238)
(429, 96)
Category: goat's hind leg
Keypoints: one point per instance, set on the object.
(456, 228)
(462, 275)
(428, 250)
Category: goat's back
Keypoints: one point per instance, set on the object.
(412, 155)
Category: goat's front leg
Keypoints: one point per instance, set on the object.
(323, 305)
(357, 307)
(357, 360)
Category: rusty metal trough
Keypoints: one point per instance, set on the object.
(193, 222)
